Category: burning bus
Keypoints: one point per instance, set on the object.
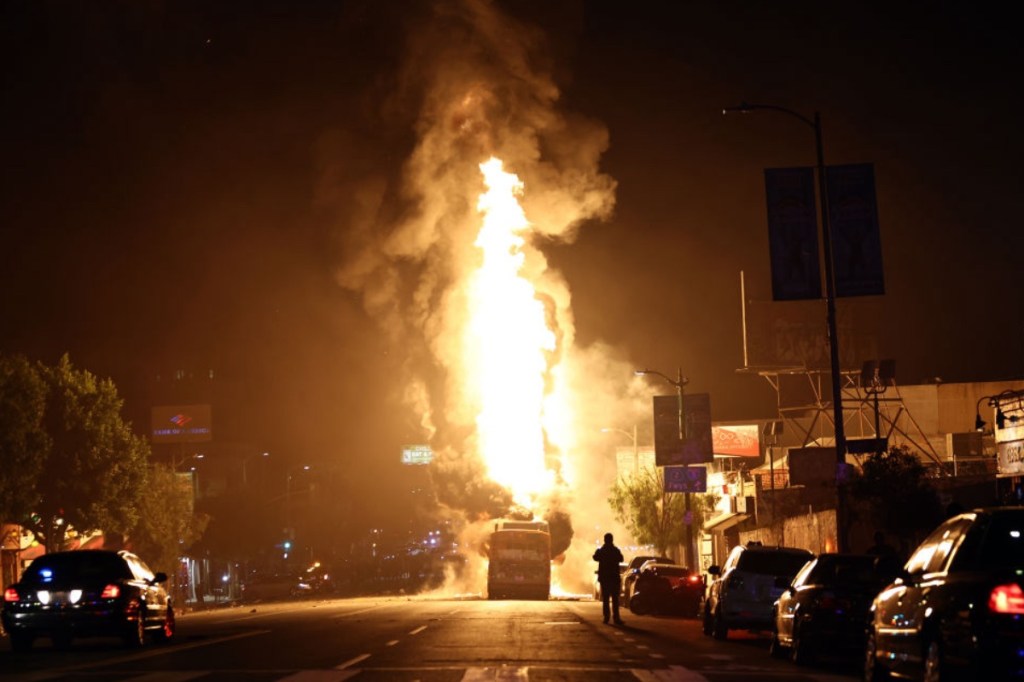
(519, 560)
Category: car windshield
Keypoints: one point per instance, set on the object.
(76, 566)
(772, 563)
(847, 571)
(1003, 546)
(671, 571)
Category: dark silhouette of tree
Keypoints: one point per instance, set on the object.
(167, 523)
(94, 470)
(23, 440)
(652, 516)
(895, 489)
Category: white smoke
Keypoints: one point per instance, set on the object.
(476, 79)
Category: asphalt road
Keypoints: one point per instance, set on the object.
(416, 639)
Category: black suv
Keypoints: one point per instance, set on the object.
(86, 593)
(743, 592)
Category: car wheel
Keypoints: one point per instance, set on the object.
(638, 605)
(775, 648)
(799, 652)
(932, 662)
(719, 630)
(20, 641)
(135, 628)
(873, 672)
(166, 631)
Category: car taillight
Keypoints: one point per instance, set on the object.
(1006, 599)
(11, 594)
(693, 579)
(111, 591)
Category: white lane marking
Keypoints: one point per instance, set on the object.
(320, 676)
(642, 646)
(352, 661)
(391, 643)
(563, 622)
(357, 612)
(656, 655)
(504, 673)
(674, 673)
(418, 630)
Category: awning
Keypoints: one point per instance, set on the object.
(724, 522)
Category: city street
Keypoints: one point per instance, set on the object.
(398, 638)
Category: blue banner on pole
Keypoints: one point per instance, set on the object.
(792, 233)
(856, 241)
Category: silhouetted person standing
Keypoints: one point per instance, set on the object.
(608, 558)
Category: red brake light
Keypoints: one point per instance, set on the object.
(694, 578)
(1006, 599)
(11, 594)
(111, 591)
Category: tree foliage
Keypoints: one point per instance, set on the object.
(895, 488)
(652, 516)
(167, 523)
(23, 440)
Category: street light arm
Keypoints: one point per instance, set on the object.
(678, 383)
(622, 431)
(744, 108)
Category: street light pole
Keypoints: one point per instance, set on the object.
(680, 382)
(636, 447)
(830, 311)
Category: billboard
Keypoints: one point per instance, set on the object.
(695, 447)
(736, 440)
(181, 424)
(794, 334)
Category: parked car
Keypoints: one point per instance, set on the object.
(633, 570)
(597, 585)
(666, 589)
(825, 608)
(957, 606)
(85, 593)
(743, 592)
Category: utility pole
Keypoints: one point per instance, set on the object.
(830, 312)
(680, 382)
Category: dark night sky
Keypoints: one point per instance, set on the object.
(162, 163)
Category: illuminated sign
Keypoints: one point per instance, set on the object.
(739, 440)
(417, 454)
(1010, 458)
(686, 480)
(182, 424)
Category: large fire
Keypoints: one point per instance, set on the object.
(508, 339)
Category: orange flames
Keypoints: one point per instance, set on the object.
(508, 338)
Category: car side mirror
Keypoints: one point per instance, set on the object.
(160, 577)
(714, 570)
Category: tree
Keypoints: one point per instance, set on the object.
(652, 516)
(167, 524)
(94, 470)
(895, 488)
(23, 440)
